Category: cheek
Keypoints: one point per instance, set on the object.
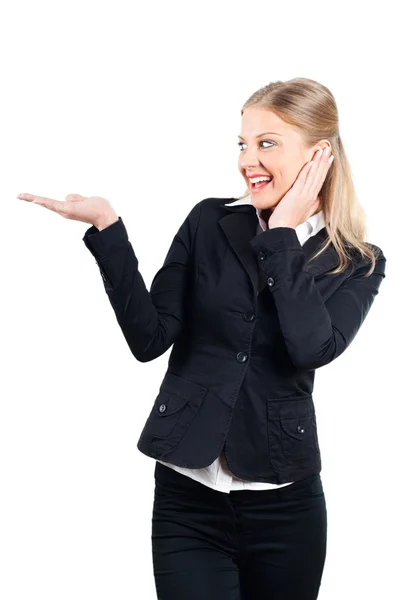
(281, 173)
(283, 181)
(286, 173)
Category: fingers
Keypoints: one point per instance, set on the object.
(317, 173)
(62, 208)
(28, 197)
(302, 177)
(41, 199)
(35, 199)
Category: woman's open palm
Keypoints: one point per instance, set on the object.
(93, 209)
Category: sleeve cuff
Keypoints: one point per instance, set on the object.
(107, 241)
(276, 239)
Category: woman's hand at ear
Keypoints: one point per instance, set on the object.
(94, 210)
(302, 200)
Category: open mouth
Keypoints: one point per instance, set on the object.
(260, 185)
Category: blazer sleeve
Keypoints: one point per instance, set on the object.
(150, 320)
(315, 332)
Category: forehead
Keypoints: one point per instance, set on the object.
(256, 120)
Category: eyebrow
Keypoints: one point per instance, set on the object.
(265, 133)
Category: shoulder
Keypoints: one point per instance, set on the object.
(209, 208)
(377, 251)
(360, 258)
(210, 204)
(201, 215)
(214, 204)
(361, 264)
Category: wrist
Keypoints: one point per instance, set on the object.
(106, 221)
(273, 226)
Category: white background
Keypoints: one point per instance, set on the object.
(141, 105)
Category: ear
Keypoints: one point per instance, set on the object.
(321, 144)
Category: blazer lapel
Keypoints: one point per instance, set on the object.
(240, 226)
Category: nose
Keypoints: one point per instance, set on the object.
(249, 163)
(249, 160)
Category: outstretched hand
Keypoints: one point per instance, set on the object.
(93, 209)
(302, 200)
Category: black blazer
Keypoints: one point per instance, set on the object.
(250, 320)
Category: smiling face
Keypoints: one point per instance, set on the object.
(279, 152)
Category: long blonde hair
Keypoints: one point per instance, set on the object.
(311, 108)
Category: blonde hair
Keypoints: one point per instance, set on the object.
(311, 108)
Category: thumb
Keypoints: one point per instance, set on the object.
(74, 198)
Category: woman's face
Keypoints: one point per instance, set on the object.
(269, 146)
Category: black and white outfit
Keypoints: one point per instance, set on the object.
(239, 508)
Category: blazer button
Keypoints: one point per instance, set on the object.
(241, 357)
(249, 316)
(270, 281)
(262, 255)
(300, 429)
(162, 407)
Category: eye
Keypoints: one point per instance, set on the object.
(261, 142)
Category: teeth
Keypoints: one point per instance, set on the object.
(255, 179)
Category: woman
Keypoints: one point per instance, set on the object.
(255, 294)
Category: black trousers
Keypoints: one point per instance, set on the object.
(246, 545)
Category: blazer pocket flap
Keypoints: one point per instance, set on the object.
(292, 408)
(175, 406)
(181, 390)
(298, 427)
(167, 403)
(293, 430)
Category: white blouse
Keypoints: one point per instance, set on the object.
(218, 475)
